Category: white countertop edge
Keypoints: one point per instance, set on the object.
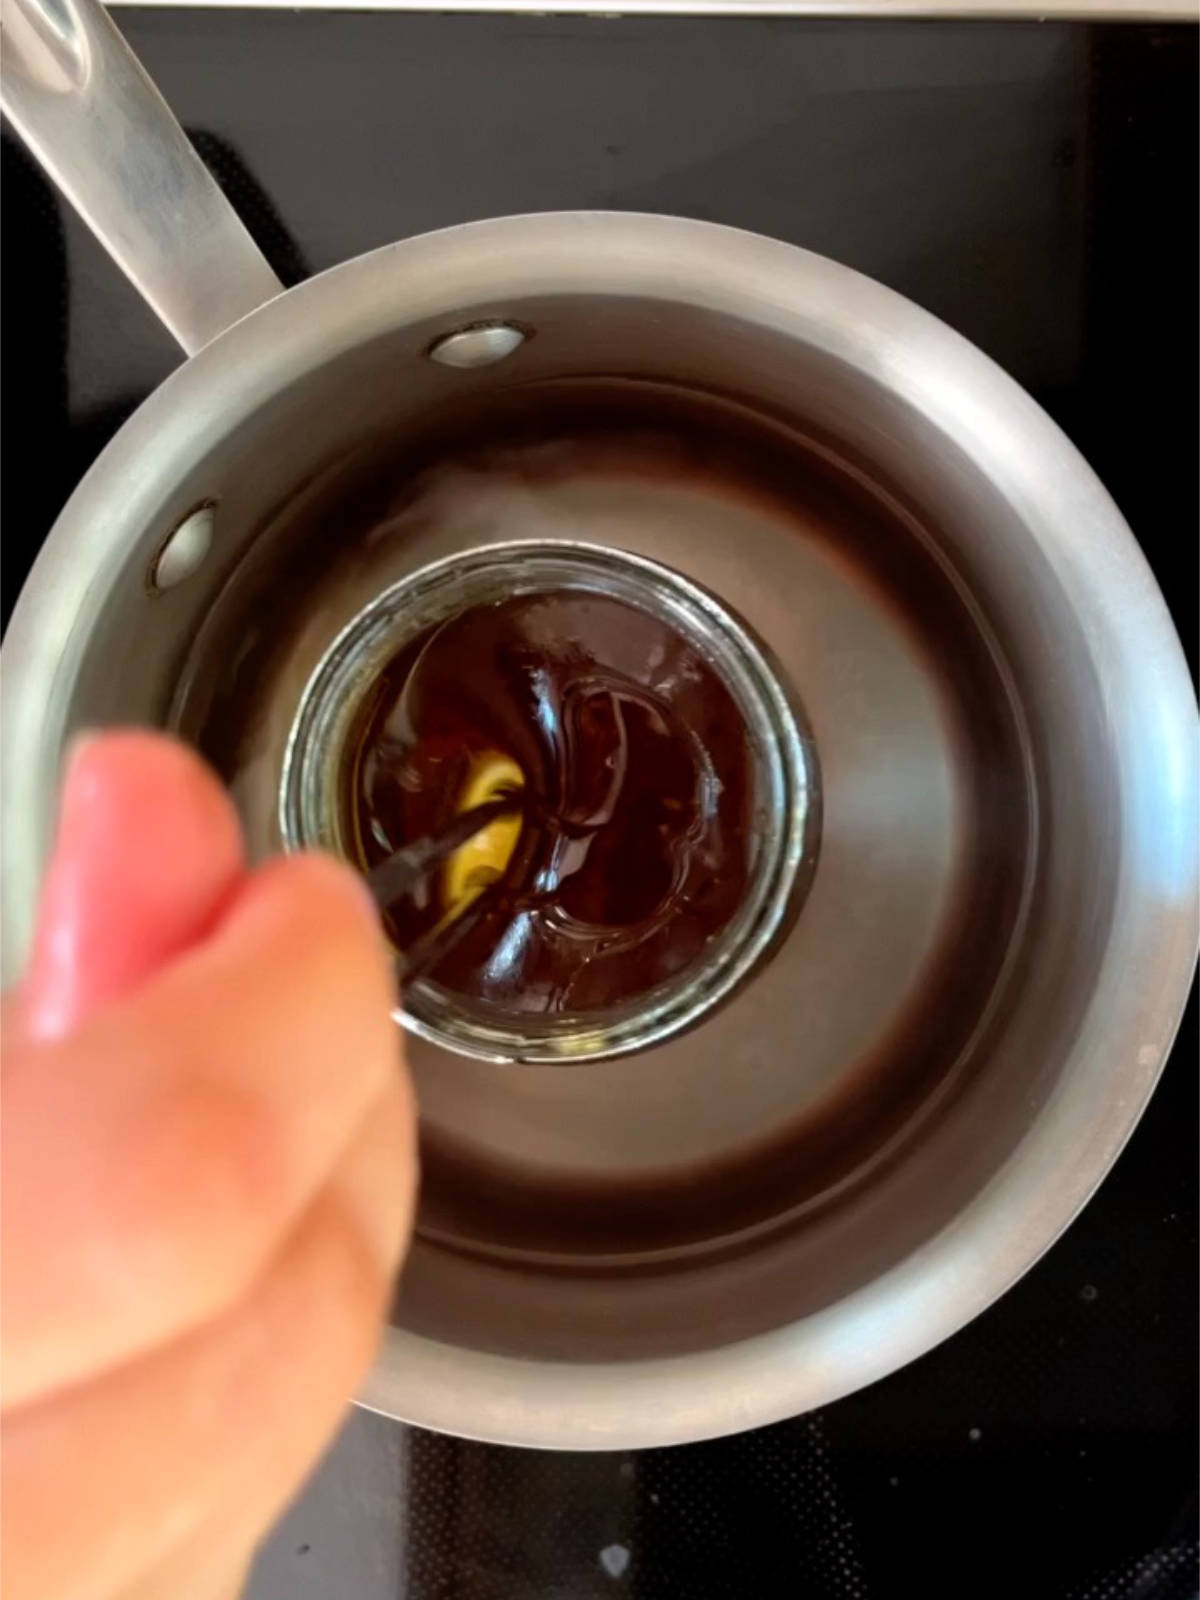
(1028, 10)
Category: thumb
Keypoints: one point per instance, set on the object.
(147, 852)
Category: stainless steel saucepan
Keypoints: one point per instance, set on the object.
(929, 1073)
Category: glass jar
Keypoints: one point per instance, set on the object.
(786, 810)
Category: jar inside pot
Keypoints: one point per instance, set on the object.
(665, 793)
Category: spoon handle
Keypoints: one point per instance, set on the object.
(401, 872)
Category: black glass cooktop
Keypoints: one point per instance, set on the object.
(1034, 185)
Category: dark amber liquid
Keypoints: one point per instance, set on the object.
(635, 845)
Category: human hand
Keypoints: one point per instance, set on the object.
(208, 1179)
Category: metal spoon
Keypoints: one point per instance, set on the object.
(409, 866)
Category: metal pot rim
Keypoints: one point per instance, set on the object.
(1138, 996)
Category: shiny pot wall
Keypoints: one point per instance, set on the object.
(903, 1108)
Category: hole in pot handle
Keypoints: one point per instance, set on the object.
(75, 92)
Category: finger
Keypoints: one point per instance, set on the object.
(208, 1565)
(220, 1426)
(153, 1159)
(212, 1562)
(148, 850)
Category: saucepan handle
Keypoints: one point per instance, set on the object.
(80, 99)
